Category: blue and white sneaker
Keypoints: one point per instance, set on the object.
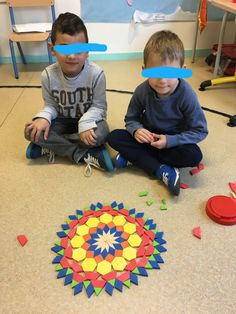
(121, 162)
(99, 158)
(34, 151)
(170, 176)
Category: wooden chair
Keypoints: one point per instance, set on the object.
(28, 36)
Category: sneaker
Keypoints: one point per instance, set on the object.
(34, 151)
(120, 162)
(170, 176)
(99, 158)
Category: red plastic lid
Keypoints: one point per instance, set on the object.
(222, 209)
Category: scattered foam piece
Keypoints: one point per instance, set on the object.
(232, 186)
(149, 202)
(184, 186)
(22, 239)
(201, 166)
(163, 205)
(197, 232)
(194, 171)
(143, 193)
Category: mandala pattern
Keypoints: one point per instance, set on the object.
(107, 247)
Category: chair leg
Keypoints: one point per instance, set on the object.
(49, 54)
(13, 58)
(21, 52)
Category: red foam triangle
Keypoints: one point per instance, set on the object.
(232, 186)
(197, 232)
(22, 239)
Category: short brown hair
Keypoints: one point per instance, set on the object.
(68, 23)
(167, 45)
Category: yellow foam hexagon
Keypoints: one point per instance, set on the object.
(134, 240)
(119, 263)
(77, 241)
(89, 264)
(106, 218)
(104, 267)
(82, 230)
(129, 253)
(119, 220)
(79, 254)
(130, 228)
(92, 222)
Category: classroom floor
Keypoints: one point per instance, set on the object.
(198, 276)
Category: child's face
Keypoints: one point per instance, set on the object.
(72, 64)
(163, 86)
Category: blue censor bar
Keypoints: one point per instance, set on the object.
(79, 47)
(167, 72)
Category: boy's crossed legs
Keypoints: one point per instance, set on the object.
(63, 140)
(161, 163)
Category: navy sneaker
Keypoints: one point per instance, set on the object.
(34, 151)
(170, 176)
(120, 162)
(99, 158)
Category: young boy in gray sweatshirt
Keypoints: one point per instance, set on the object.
(73, 121)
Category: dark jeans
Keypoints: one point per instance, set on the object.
(63, 138)
(149, 158)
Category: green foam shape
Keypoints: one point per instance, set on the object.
(152, 258)
(68, 221)
(86, 283)
(97, 291)
(127, 283)
(163, 207)
(154, 243)
(163, 201)
(148, 266)
(74, 283)
(143, 193)
(67, 231)
(69, 271)
(135, 271)
(145, 218)
(147, 227)
(156, 252)
(61, 252)
(112, 282)
(59, 267)
(58, 242)
(79, 217)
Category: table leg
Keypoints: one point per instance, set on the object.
(222, 31)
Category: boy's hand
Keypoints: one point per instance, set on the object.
(160, 141)
(33, 129)
(143, 136)
(88, 137)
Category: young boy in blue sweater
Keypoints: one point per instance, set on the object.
(164, 121)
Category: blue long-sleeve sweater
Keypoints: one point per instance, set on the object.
(178, 116)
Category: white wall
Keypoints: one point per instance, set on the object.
(116, 36)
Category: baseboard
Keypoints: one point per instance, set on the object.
(102, 56)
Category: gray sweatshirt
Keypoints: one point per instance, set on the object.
(82, 97)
